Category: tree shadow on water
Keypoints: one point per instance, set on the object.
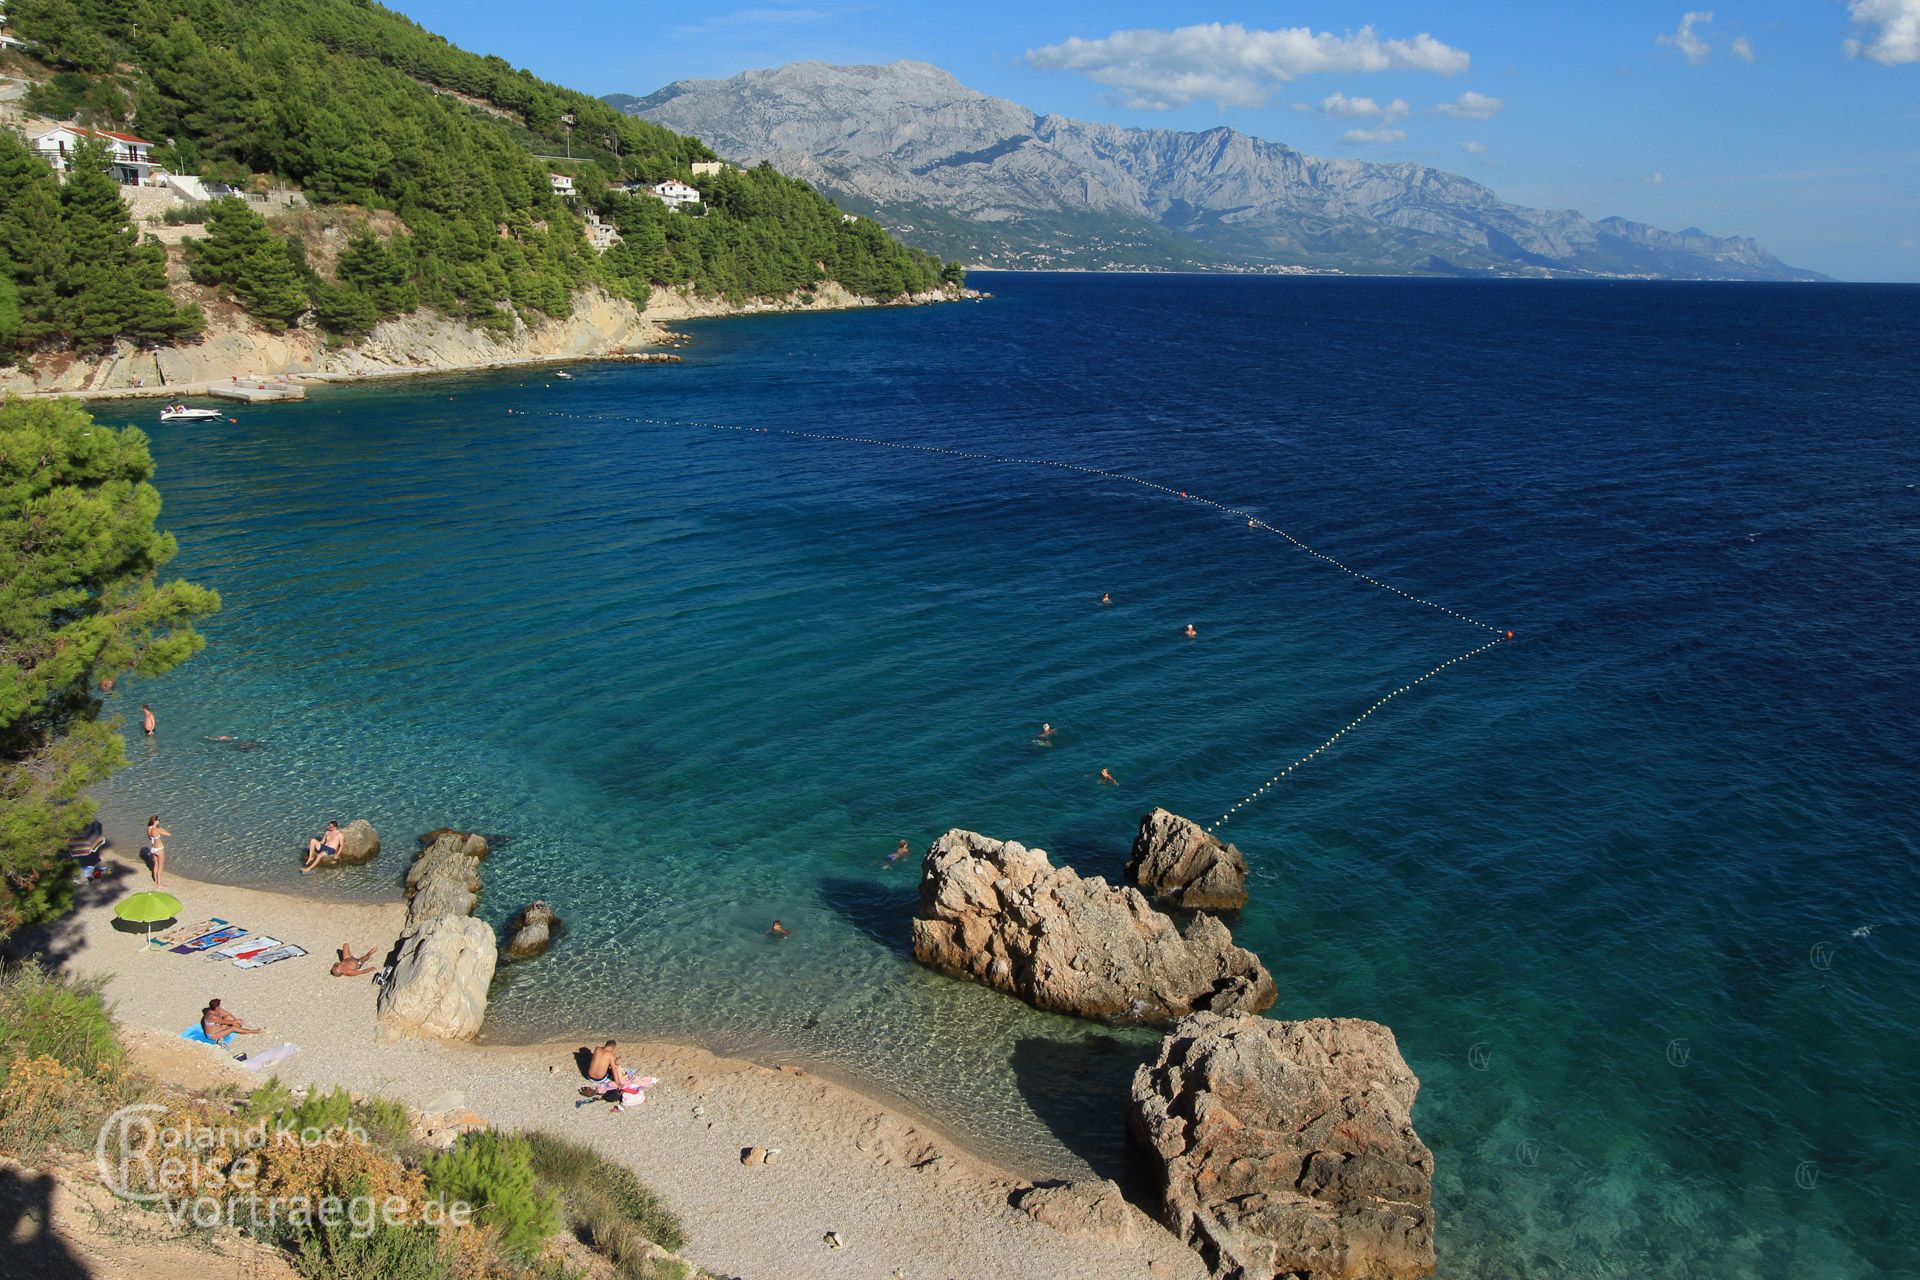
(882, 908)
(1079, 1088)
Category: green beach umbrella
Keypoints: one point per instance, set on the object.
(145, 908)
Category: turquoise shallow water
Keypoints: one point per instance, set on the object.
(1604, 882)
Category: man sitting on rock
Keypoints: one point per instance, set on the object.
(325, 849)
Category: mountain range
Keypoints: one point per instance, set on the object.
(989, 182)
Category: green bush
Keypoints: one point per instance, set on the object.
(494, 1173)
(44, 1014)
(607, 1205)
(384, 1121)
(187, 215)
(338, 1252)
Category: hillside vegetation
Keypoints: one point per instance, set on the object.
(356, 105)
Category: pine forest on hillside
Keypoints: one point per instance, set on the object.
(358, 106)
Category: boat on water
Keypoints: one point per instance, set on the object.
(180, 413)
(562, 373)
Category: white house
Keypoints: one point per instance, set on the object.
(562, 184)
(128, 156)
(601, 235)
(674, 193)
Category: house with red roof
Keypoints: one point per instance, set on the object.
(129, 157)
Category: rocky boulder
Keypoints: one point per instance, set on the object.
(1083, 1208)
(1287, 1149)
(359, 843)
(439, 982)
(1003, 915)
(531, 931)
(445, 877)
(1177, 864)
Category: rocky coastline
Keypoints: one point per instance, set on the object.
(235, 350)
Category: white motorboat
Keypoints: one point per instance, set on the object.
(562, 373)
(180, 413)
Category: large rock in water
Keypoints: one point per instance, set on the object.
(531, 931)
(446, 957)
(439, 983)
(445, 877)
(1178, 864)
(1287, 1149)
(359, 843)
(1002, 914)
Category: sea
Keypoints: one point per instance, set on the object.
(1638, 890)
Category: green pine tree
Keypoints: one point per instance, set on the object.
(33, 242)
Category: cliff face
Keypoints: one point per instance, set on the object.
(988, 180)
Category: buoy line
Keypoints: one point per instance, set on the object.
(1253, 522)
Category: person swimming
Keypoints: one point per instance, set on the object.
(1109, 778)
(1105, 598)
(1190, 633)
(892, 858)
(779, 931)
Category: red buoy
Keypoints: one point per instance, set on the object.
(1509, 635)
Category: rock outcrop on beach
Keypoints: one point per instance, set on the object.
(1177, 864)
(1096, 1208)
(446, 957)
(359, 843)
(1003, 915)
(531, 931)
(1287, 1149)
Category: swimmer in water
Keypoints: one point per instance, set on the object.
(896, 855)
(1105, 598)
(224, 737)
(779, 931)
(1190, 633)
(1109, 778)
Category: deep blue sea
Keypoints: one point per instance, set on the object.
(1638, 892)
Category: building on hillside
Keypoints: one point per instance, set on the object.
(674, 194)
(7, 39)
(601, 235)
(562, 184)
(703, 168)
(129, 157)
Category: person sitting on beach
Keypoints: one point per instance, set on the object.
(1109, 778)
(779, 931)
(325, 849)
(350, 965)
(217, 1024)
(894, 857)
(603, 1067)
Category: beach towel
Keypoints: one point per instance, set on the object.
(241, 948)
(206, 940)
(633, 1090)
(183, 932)
(286, 951)
(195, 1034)
(270, 1057)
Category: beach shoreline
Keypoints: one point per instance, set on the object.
(902, 1191)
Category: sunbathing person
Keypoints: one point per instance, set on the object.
(350, 965)
(325, 849)
(217, 1024)
(604, 1066)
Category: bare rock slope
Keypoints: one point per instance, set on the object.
(1286, 1150)
(1178, 864)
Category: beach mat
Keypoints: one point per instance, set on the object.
(209, 940)
(195, 1034)
(184, 932)
(286, 951)
(246, 948)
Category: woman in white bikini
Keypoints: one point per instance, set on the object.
(156, 847)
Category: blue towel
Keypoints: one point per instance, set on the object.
(195, 1034)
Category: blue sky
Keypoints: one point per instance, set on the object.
(1795, 123)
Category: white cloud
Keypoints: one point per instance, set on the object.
(1897, 38)
(1695, 47)
(1364, 137)
(1339, 104)
(1742, 49)
(1657, 179)
(1472, 106)
(1232, 66)
(1473, 148)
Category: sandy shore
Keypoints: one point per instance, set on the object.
(906, 1200)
